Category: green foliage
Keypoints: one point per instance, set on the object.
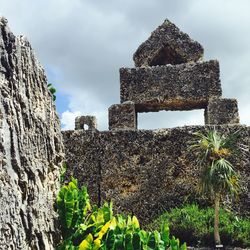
(87, 228)
(218, 175)
(52, 91)
(63, 172)
(195, 226)
(73, 205)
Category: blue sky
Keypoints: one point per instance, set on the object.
(62, 99)
(83, 43)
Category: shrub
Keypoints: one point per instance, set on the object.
(87, 228)
(195, 226)
(52, 90)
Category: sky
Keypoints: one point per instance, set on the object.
(83, 43)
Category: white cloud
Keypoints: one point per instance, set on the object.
(68, 119)
(88, 41)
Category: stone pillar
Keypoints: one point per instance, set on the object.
(123, 116)
(222, 111)
(86, 123)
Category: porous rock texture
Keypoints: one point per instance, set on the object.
(167, 45)
(123, 116)
(222, 111)
(31, 149)
(83, 155)
(145, 172)
(171, 87)
(89, 121)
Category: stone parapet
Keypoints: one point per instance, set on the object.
(85, 122)
(167, 45)
(171, 87)
(123, 116)
(222, 111)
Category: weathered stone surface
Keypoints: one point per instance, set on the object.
(83, 159)
(222, 111)
(171, 87)
(31, 150)
(167, 45)
(145, 172)
(123, 117)
(86, 122)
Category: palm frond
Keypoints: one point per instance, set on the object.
(218, 175)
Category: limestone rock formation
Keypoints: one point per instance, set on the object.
(31, 149)
(167, 45)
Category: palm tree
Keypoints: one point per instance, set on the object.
(218, 177)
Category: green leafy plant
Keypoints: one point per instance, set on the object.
(91, 228)
(194, 225)
(52, 91)
(63, 172)
(218, 177)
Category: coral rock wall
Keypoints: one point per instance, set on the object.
(31, 149)
(147, 171)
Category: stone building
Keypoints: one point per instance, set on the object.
(147, 171)
(143, 171)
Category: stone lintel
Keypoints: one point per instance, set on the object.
(167, 45)
(123, 117)
(222, 111)
(85, 122)
(171, 87)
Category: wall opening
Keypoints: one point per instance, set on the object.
(170, 119)
(166, 56)
(86, 127)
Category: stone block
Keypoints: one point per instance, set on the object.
(171, 87)
(167, 45)
(222, 111)
(123, 116)
(86, 123)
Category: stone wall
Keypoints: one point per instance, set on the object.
(31, 149)
(147, 171)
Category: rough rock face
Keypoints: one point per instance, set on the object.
(31, 149)
(222, 111)
(89, 122)
(83, 159)
(171, 87)
(123, 116)
(167, 45)
(146, 171)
